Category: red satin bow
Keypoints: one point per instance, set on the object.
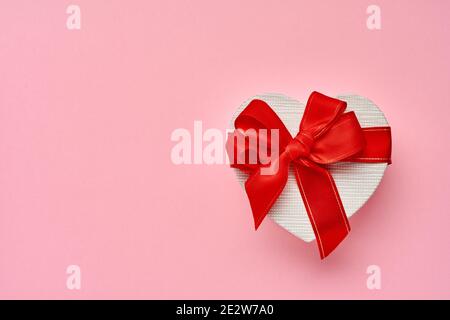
(326, 135)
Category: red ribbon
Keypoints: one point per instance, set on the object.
(327, 135)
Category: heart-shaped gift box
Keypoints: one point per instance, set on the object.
(355, 181)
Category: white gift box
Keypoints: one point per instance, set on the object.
(356, 182)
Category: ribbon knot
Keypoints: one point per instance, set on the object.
(300, 146)
(326, 135)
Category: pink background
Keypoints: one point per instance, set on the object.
(85, 171)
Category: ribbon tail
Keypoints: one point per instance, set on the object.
(264, 187)
(323, 205)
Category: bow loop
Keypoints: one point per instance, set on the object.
(320, 113)
(259, 115)
(343, 139)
